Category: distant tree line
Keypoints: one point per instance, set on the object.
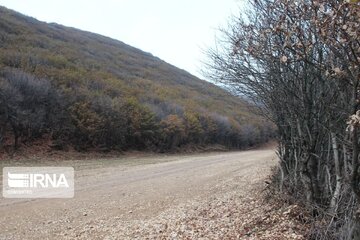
(300, 59)
(32, 108)
(70, 88)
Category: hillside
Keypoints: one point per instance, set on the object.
(81, 89)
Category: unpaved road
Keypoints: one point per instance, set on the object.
(112, 197)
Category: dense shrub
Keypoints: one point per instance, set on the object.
(299, 60)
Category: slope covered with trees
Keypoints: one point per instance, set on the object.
(88, 91)
(301, 59)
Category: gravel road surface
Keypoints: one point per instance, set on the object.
(138, 197)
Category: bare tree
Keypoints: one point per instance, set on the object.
(300, 61)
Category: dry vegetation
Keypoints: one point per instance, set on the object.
(82, 90)
(301, 59)
(232, 215)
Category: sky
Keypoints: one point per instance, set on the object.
(177, 31)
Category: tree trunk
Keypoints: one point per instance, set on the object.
(335, 197)
(16, 136)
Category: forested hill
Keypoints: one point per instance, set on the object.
(88, 91)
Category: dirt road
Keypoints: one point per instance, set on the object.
(120, 198)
